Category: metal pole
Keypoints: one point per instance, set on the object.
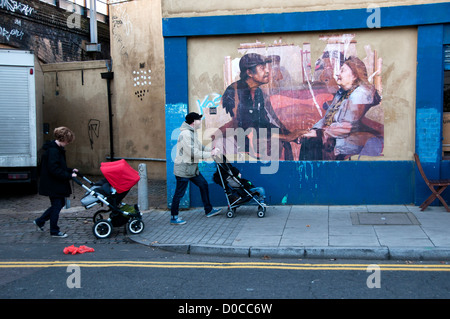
(109, 76)
(93, 21)
(143, 187)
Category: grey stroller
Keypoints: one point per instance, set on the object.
(238, 191)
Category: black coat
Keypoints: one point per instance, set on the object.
(55, 175)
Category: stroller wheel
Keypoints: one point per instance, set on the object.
(102, 229)
(135, 226)
(99, 215)
(230, 213)
(261, 211)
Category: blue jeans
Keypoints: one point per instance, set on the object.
(180, 190)
(52, 214)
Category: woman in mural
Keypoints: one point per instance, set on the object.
(341, 133)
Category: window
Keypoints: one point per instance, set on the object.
(101, 5)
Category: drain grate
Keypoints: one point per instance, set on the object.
(359, 218)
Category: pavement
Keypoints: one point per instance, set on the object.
(332, 232)
(367, 232)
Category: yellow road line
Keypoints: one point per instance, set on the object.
(231, 265)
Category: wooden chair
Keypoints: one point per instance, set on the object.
(436, 187)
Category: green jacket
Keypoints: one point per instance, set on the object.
(189, 152)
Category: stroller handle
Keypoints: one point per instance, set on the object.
(79, 174)
(77, 181)
(219, 158)
(83, 177)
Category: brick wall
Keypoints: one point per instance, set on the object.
(56, 35)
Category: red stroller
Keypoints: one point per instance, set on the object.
(120, 177)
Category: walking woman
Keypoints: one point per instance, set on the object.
(54, 179)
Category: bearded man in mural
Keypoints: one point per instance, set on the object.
(342, 131)
(245, 102)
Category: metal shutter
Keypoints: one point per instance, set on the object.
(14, 111)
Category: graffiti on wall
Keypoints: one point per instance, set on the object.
(280, 103)
(210, 103)
(93, 131)
(16, 7)
(141, 81)
(7, 34)
(121, 27)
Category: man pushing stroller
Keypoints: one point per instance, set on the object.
(189, 151)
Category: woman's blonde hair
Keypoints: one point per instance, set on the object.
(64, 134)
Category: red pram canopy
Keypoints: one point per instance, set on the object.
(120, 175)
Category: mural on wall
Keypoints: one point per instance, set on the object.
(277, 103)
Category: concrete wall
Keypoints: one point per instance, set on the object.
(76, 97)
(138, 87)
(75, 93)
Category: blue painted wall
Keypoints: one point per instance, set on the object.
(349, 182)
(175, 55)
(429, 105)
(323, 183)
(305, 21)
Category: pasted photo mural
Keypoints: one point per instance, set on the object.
(279, 103)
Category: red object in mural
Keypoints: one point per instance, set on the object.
(295, 108)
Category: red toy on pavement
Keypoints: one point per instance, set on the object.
(78, 250)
